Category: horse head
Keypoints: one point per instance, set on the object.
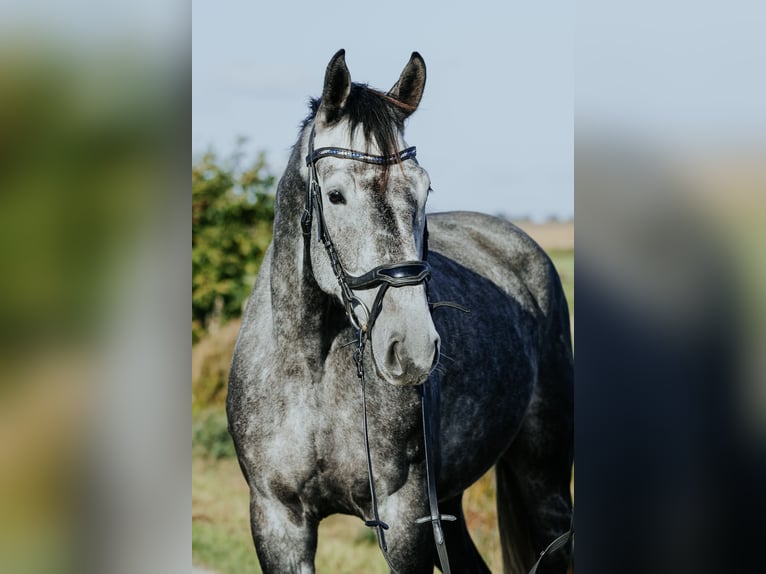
(369, 197)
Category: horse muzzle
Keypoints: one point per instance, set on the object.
(404, 341)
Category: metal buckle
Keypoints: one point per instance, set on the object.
(353, 303)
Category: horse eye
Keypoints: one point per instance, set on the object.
(336, 197)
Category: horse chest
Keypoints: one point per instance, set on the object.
(311, 448)
(338, 438)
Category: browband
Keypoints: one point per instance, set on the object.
(343, 153)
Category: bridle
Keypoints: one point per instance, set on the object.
(402, 274)
(407, 273)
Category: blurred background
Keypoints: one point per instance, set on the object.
(94, 286)
(670, 175)
(653, 112)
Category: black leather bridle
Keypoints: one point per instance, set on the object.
(396, 275)
(402, 274)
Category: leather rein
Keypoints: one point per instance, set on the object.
(395, 275)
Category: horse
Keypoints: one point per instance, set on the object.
(358, 285)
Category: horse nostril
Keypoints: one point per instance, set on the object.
(409, 363)
(394, 359)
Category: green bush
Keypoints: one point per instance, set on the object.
(210, 435)
(232, 222)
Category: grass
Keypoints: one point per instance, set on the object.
(221, 528)
(211, 360)
(220, 517)
(563, 260)
(481, 519)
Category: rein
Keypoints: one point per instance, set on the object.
(383, 276)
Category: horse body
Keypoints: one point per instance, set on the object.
(503, 390)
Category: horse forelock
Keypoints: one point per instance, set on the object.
(380, 117)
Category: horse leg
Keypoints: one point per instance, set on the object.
(284, 538)
(463, 555)
(533, 480)
(409, 544)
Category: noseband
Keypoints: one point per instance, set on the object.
(402, 274)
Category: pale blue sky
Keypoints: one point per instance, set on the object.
(494, 128)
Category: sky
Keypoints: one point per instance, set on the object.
(494, 128)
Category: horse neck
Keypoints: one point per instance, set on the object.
(304, 318)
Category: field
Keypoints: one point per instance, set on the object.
(220, 526)
(221, 530)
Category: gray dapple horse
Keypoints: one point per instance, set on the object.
(500, 375)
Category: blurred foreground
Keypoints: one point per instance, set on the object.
(94, 288)
(670, 396)
(670, 182)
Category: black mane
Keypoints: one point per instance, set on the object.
(381, 117)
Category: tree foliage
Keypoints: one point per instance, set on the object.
(232, 221)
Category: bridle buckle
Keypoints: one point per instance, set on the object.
(352, 304)
(306, 221)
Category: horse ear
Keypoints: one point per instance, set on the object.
(337, 85)
(409, 89)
